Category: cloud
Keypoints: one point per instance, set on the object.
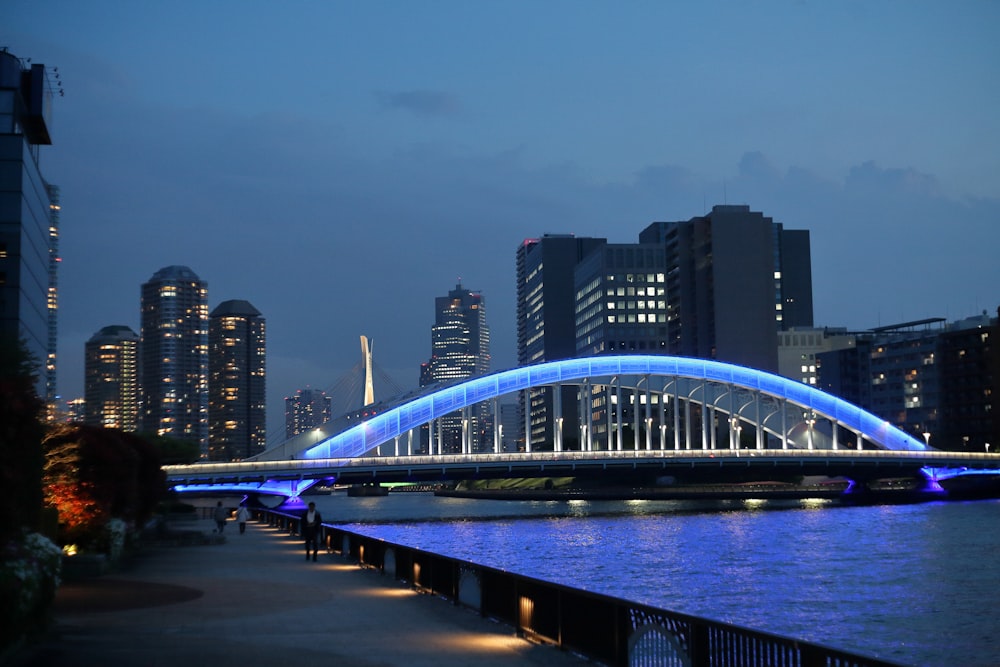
(420, 102)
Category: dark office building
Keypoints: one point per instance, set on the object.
(734, 279)
(28, 218)
(970, 386)
(546, 323)
(173, 368)
(236, 382)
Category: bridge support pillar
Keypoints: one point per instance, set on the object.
(527, 420)
(497, 427)
(687, 423)
(587, 409)
(557, 422)
(784, 423)
(759, 435)
(618, 413)
(675, 409)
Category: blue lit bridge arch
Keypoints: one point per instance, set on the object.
(662, 402)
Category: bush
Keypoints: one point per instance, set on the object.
(30, 567)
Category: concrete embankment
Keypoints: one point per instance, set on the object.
(253, 599)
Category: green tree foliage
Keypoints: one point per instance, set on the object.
(94, 474)
(21, 432)
(174, 451)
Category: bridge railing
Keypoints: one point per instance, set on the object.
(247, 468)
(602, 628)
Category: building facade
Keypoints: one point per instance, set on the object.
(734, 279)
(546, 329)
(237, 370)
(111, 387)
(460, 349)
(173, 368)
(28, 219)
(936, 380)
(307, 409)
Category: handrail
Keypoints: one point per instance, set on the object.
(602, 628)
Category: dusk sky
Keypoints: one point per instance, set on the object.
(341, 164)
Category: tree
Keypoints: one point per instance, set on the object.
(21, 432)
(95, 474)
(174, 451)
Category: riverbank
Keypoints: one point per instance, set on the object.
(253, 599)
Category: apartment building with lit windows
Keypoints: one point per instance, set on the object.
(111, 385)
(236, 381)
(307, 409)
(174, 355)
(937, 380)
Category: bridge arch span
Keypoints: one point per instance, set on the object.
(736, 391)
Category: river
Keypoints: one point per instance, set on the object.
(914, 584)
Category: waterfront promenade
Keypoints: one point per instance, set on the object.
(255, 600)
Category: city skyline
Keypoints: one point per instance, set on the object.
(437, 140)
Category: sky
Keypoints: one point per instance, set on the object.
(341, 164)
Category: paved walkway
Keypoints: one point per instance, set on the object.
(255, 600)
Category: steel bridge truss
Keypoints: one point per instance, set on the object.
(640, 402)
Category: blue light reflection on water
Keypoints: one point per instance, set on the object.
(909, 583)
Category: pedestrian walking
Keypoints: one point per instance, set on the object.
(311, 523)
(220, 516)
(242, 515)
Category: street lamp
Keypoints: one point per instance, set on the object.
(927, 438)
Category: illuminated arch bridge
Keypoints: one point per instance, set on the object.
(640, 403)
(674, 403)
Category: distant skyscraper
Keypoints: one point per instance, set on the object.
(174, 355)
(307, 409)
(29, 221)
(460, 349)
(111, 391)
(236, 405)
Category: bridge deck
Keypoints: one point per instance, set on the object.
(686, 465)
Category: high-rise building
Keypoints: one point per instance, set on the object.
(719, 286)
(734, 279)
(29, 220)
(174, 355)
(934, 379)
(236, 375)
(621, 308)
(546, 327)
(111, 389)
(307, 409)
(460, 349)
